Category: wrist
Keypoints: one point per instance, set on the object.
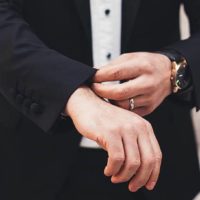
(165, 63)
(180, 76)
(76, 99)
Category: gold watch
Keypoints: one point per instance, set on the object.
(178, 75)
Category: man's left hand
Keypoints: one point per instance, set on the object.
(145, 77)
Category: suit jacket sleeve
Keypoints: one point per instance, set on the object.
(190, 48)
(34, 79)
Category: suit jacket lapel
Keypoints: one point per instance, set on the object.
(83, 8)
(129, 13)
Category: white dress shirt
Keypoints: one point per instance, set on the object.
(106, 38)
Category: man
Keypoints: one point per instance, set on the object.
(41, 154)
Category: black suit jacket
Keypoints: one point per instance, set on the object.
(45, 54)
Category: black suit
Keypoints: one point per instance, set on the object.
(37, 76)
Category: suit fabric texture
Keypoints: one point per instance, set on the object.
(45, 54)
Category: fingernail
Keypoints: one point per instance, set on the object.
(151, 186)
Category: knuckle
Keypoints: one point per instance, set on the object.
(149, 67)
(149, 162)
(121, 93)
(134, 165)
(148, 125)
(141, 125)
(158, 158)
(140, 69)
(113, 130)
(118, 158)
(124, 178)
(129, 127)
(140, 182)
(116, 73)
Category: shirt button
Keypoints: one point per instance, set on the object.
(107, 12)
(109, 55)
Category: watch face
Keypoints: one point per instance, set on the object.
(182, 77)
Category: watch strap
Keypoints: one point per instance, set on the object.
(176, 57)
(172, 55)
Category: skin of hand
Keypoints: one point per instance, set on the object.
(134, 154)
(145, 76)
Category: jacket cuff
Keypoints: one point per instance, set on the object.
(43, 100)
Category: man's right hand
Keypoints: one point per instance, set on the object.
(133, 152)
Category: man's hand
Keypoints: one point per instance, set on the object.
(145, 76)
(133, 152)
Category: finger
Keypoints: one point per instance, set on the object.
(116, 156)
(122, 91)
(139, 101)
(119, 71)
(132, 162)
(158, 158)
(142, 111)
(122, 104)
(117, 61)
(150, 185)
(147, 163)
